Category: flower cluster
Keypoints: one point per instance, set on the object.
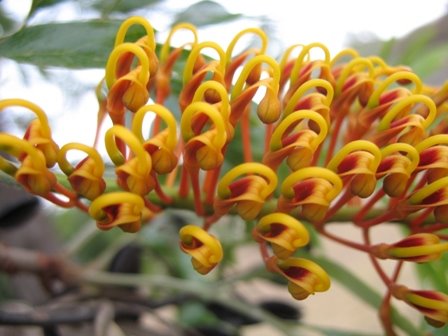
(341, 131)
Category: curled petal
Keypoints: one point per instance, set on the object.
(33, 173)
(305, 277)
(204, 248)
(420, 247)
(299, 147)
(248, 193)
(397, 168)
(134, 174)
(86, 178)
(123, 209)
(285, 233)
(357, 162)
(434, 156)
(312, 188)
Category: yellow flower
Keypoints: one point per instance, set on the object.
(285, 233)
(86, 178)
(419, 247)
(311, 188)
(119, 209)
(298, 146)
(133, 174)
(432, 304)
(204, 248)
(248, 193)
(304, 277)
(357, 163)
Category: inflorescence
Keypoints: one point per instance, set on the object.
(349, 131)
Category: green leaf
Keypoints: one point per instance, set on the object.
(75, 45)
(364, 292)
(37, 5)
(107, 7)
(205, 13)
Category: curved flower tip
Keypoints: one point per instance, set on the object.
(270, 107)
(357, 162)
(35, 178)
(305, 277)
(86, 178)
(122, 209)
(432, 304)
(311, 188)
(36, 136)
(285, 233)
(248, 193)
(420, 247)
(85, 181)
(205, 249)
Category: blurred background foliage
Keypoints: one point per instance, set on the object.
(83, 40)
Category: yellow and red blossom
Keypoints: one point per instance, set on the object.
(86, 178)
(205, 249)
(304, 276)
(432, 304)
(285, 233)
(356, 163)
(245, 187)
(119, 209)
(312, 189)
(419, 247)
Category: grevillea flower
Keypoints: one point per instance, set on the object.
(354, 81)
(38, 133)
(315, 94)
(242, 92)
(194, 75)
(356, 163)
(298, 146)
(397, 168)
(432, 304)
(381, 100)
(205, 249)
(130, 90)
(401, 124)
(33, 173)
(300, 69)
(133, 174)
(247, 187)
(167, 59)
(312, 189)
(233, 63)
(304, 277)
(419, 247)
(86, 178)
(119, 209)
(431, 196)
(203, 150)
(161, 146)
(146, 43)
(434, 156)
(285, 233)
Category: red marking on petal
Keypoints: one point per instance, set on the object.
(304, 189)
(411, 241)
(296, 272)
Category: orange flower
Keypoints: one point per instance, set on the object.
(119, 209)
(357, 163)
(432, 304)
(311, 188)
(86, 178)
(420, 247)
(248, 193)
(204, 248)
(304, 277)
(285, 233)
